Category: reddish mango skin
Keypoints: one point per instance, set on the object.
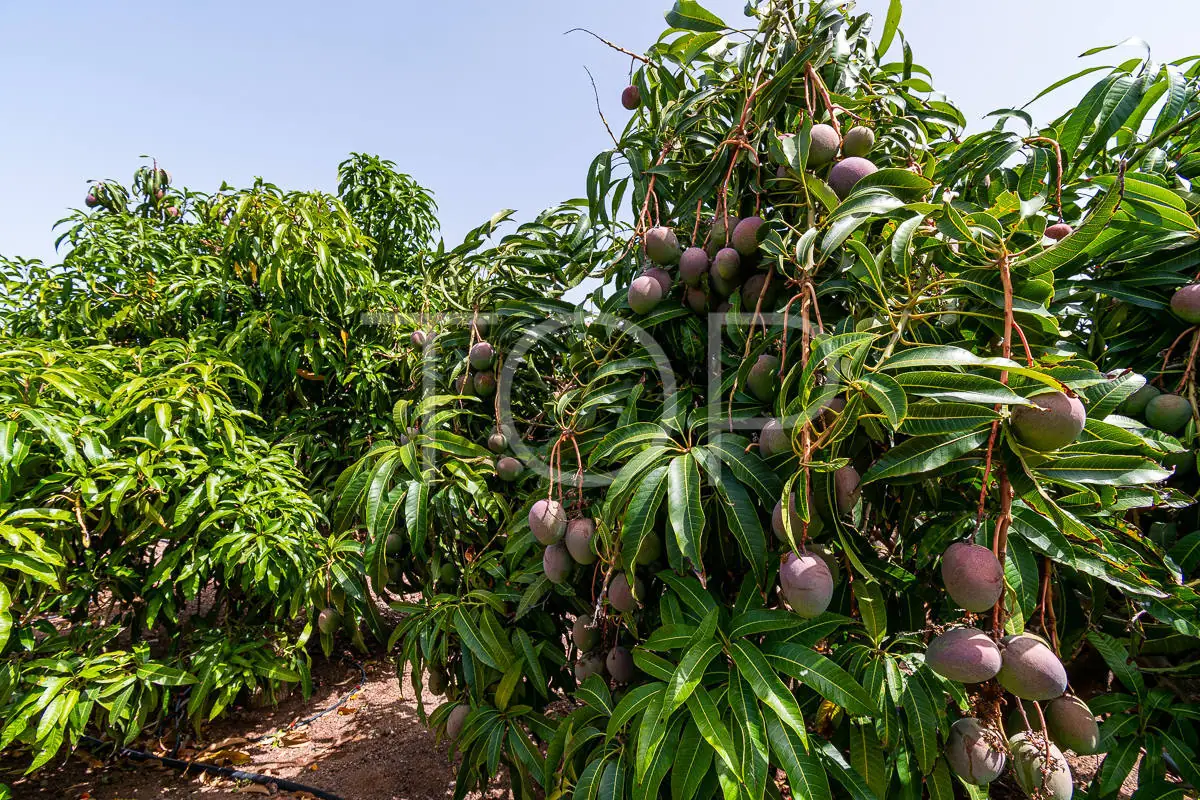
(548, 521)
(1030, 670)
(974, 752)
(973, 576)
(966, 655)
(806, 584)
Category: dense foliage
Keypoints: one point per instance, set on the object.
(929, 306)
(177, 398)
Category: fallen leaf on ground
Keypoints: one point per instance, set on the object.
(232, 741)
(232, 756)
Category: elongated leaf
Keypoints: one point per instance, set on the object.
(767, 686)
(714, 731)
(928, 419)
(866, 757)
(822, 675)
(692, 16)
(1071, 247)
(887, 395)
(641, 517)
(1118, 660)
(806, 776)
(890, 24)
(923, 454)
(687, 515)
(959, 386)
(1105, 470)
(689, 672)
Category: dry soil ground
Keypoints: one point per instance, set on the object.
(373, 748)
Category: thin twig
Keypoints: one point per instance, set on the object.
(619, 49)
(596, 94)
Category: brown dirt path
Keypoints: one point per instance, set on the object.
(374, 748)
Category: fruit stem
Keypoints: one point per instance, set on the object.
(1190, 368)
(1000, 542)
(1170, 350)
(829, 106)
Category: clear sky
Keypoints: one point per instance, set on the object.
(484, 102)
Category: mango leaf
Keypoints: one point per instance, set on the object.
(714, 731)
(824, 676)
(806, 776)
(867, 759)
(641, 516)
(1104, 470)
(961, 386)
(1070, 248)
(753, 666)
(687, 515)
(923, 454)
(886, 394)
(693, 758)
(691, 16)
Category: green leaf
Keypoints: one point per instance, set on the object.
(872, 608)
(886, 394)
(1065, 251)
(683, 505)
(890, 24)
(768, 687)
(922, 724)
(1104, 470)
(837, 766)
(947, 356)
(688, 674)
(631, 704)
(739, 510)
(903, 183)
(806, 776)
(162, 675)
(928, 419)
(940, 783)
(747, 467)
(1117, 765)
(867, 759)
(959, 386)
(469, 632)
(1118, 660)
(923, 454)
(627, 438)
(691, 16)
(651, 732)
(693, 758)
(641, 517)
(823, 676)
(708, 720)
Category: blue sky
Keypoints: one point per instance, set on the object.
(488, 105)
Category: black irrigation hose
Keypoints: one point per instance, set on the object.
(212, 769)
(236, 774)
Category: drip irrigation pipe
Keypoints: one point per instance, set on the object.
(199, 766)
(93, 743)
